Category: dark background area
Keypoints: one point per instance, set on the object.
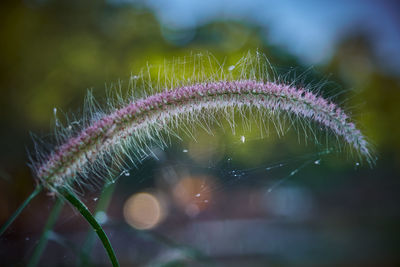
(332, 212)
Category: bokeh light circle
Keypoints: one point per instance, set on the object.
(143, 211)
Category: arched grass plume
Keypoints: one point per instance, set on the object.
(130, 124)
(191, 91)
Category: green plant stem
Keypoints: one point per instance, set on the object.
(37, 253)
(104, 201)
(81, 207)
(35, 192)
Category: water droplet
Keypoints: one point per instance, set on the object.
(242, 138)
(125, 172)
(198, 195)
(55, 111)
(70, 127)
(134, 77)
(231, 68)
(357, 163)
(317, 162)
(185, 151)
(95, 199)
(293, 172)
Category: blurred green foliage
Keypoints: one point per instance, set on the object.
(53, 51)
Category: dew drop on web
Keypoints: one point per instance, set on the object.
(356, 165)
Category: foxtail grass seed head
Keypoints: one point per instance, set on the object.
(107, 138)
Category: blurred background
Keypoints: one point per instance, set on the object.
(227, 199)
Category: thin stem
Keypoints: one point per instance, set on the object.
(81, 207)
(37, 253)
(35, 192)
(104, 201)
